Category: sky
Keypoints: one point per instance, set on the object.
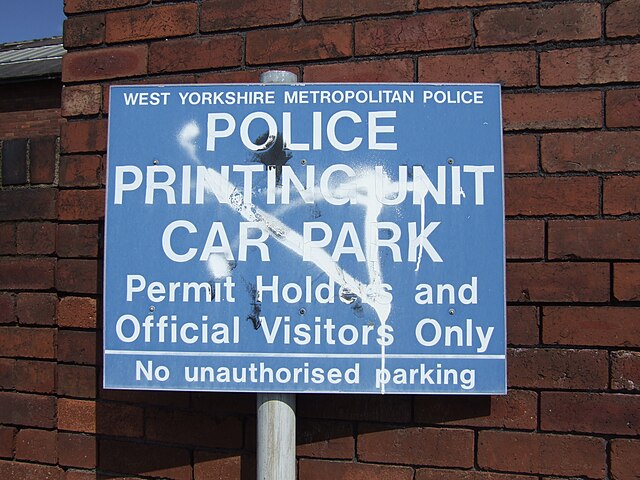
(30, 19)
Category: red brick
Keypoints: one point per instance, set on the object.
(314, 42)
(626, 281)
(597, 326)
(81, 100)
(625, 370)
(566, 455)
(78, 276)
(36, 446)
(552, 196)
(517, 410)
(76, 381)
(524, 25)
(8, 239)
(7, 373)
(77, 347)
(591, 151)
(623, 108)
(322, 439)
(153, 460)
(78, 312)
(84, 136)
(356, 408)
(104, 63)
(42, 158)
(427, 4)
(81, 171)
(120, 420)
(34, 376)
(205, 53)
(332, 9)
(234, 76)
(558, 282)
(392, 70)
(7, 435)
(214, 15)
(558, 368)
(28, 471)
(36, 238)
(594, 239)
(78, 240)
(217, 466)
(7, 308)
(76, 450)
(204, 430)
(322, 469)
(27, 342)
(606, 413)
(621, 195)
(82, 6)
(433, 31)
(81, 475)
(439, 447)
(27, 410)
(512, 69)
(524, 239)
(26, 273)
(83, 31)
(551, 111)
(81, 204)
(243, 403)
(590, 65)
(28, 204)
(14, 162)
(624, 459)
(623, 18)
(438, 474)
(77, 415)
(155, 22)
(523, 325)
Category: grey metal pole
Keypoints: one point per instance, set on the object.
(276, 440)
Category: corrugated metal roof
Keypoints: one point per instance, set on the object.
(34, 58)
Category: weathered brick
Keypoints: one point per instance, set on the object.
(558, 368)
(28, 204)
(623, 18)
(81, 100)
(7, 435)
(439, 447)
(77, 240)
(36, 446)
(84, 136)
(27, 471)
(154, 460)
(36, 238)
(625, 370)
(524, 239)
(312, 42)
(121, 420)
(78, 276)
(235, 76)
(623, 108)
(27, 342)
(14, 162)
(28, 410)
(512, 69)
(322, 439)
(76, 381)
(594, 239)
(82, 6)
(391, 70)
(620, 195)
(591, 151)
(78, 312)
(624, 459)
(552, 196)
(77, 347)
(552, 111)
(81, 204)
(587, 412)
(8, 239)
(322, 469)
(566, 455)
(356, 408)
(205, 53)
(590, 65)
(26, 273)
(427, 4)
(523, 325)
(215, 17)
(7, 374)
(76, 450)
(77, 415)
(597, 326)
(626, 281)
(81, 171)
(418, 33)
(83, 31)
(217, 466)
(558, 282)
(36, 308)
(154, 22)
(448, 474)
(7, 308)
(333, 9)
(104, 63)
(524, 25)
(42, 160)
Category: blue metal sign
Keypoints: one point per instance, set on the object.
(305, 238)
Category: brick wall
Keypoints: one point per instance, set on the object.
(571, 77)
